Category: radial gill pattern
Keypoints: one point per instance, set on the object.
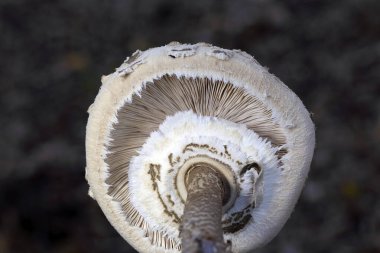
(166, 102)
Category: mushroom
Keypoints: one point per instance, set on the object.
(196, 146)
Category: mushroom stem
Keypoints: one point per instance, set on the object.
(201, 228)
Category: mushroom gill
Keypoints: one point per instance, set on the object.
(164, 97)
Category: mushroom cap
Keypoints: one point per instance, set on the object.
(168, 107)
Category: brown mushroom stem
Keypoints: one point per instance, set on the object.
(201, 228)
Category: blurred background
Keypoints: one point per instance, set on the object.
(53, 53)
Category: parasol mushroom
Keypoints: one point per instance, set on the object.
(196, 148)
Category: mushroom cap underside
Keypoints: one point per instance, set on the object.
(167, 107)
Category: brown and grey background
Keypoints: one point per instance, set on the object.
(53, 53)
